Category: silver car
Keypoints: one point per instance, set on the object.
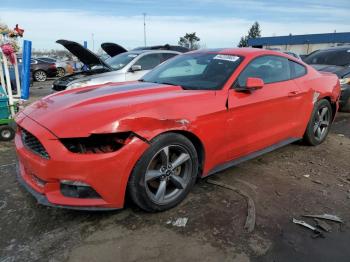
(125, 66)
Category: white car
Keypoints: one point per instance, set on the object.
(126, 66)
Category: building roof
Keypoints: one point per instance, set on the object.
(301, 39)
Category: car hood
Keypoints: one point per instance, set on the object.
(83, 54)
(111, 108)
(113, 49)
(340, 71)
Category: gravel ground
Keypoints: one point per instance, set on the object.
(284, 184)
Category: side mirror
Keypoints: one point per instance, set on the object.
(135, 68)
(254, 83)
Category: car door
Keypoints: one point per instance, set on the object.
(264, 117)
(147, 63)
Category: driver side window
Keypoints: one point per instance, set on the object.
(270, 69)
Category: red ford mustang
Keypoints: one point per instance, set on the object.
(190, 117)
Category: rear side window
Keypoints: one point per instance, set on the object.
(166, 56)
(270, 69)
(149, 62)
(297, 69)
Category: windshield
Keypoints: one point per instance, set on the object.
(196, 71)
(119, 61)
(330, 57)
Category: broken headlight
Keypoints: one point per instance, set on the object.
(97, 143)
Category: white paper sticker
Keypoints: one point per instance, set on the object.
(231, 58)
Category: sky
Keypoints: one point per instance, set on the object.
(218, 23)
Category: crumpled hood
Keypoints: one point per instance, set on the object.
(340, 71)
(107, 109)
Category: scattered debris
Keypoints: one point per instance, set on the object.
(179, 222)
(307, 176)
(304, 224)
(317, 182)
(323, 225)
(327, 217)
(250, 220)
(341, 135)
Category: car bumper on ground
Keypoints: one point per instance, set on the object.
(105, 174)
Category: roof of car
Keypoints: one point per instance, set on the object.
(343, 47)
(245, 51)
(152, 51)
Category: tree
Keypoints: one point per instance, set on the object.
(254, 32)
(190, 40)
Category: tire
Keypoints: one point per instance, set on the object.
(319, 124)
(154, 187)
(6, 133)
(40, 76)
(60, 72)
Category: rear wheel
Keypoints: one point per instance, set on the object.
(319, 124)
(40, 76)
(165, 173)
(6, 133)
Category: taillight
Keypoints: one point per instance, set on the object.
(52, 66)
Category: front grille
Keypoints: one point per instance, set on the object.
(33, 144)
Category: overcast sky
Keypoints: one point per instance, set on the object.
(219, 23)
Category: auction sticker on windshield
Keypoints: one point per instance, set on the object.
(231, 58)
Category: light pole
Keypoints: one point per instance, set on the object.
(144, 29)
(93, 42)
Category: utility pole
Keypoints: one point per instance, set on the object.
(144, 29)
(93, 42)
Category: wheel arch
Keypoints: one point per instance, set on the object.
(333, 105)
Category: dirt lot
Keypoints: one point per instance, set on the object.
(284, 184)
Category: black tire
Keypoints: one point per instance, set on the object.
(6, 133)
(40, 76)
(318, 128)
(60, 72)
(139, 189)
(346, 107)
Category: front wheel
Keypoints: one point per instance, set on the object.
(40, 76)
(164, 174)
(319, 124)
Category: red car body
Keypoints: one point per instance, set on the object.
(225, 126)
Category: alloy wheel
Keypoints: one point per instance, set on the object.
(321, 122)
(168, 174)
(60, 72)
(40, 76)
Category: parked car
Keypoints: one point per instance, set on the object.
(60, 65)
(120, 67)
(42, 70)
(292, 54)
(335, 60)
(192, 116)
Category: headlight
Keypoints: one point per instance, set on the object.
(344, 81)
(97, 143)
(78, 84)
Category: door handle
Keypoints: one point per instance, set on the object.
(293, 93)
